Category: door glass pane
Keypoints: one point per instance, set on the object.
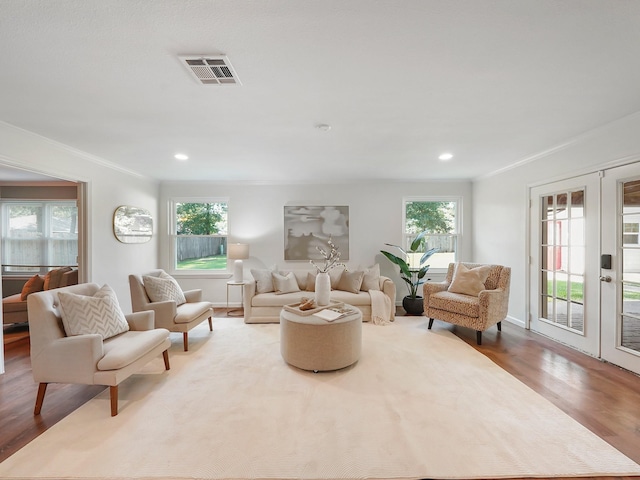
(563, 259)
(577, 204)
(561, 312)
(576, 260)
(547, 207)
(561, 202)
(631, 196)
(629, 332)
(576, 297)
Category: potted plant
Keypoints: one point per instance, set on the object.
(414, 277)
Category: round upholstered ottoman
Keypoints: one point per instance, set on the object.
(312, 343)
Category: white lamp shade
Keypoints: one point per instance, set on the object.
(237, 252)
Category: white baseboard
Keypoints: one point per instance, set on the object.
(515, 321)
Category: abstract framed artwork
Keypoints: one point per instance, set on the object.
(308, 227)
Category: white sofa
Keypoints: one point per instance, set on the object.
(266, 307)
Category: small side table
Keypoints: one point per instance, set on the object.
(230, 313)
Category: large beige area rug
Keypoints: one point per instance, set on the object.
(418, 404)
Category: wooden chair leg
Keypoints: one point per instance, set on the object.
(210, 324)
(430, 323)
(185, 340)
(113, 394)
(42, 389)
(165, 355)
(479, 337)
(499, 326)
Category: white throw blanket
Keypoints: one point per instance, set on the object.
(380, 308)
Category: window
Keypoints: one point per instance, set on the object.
(630, 233)
(38, 235)
(200, 235)
(440, 218)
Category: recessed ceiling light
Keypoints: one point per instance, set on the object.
(445, 156)
(181, 157)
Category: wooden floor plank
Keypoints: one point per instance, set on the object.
(601, 396)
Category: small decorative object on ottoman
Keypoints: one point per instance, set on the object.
(312, 343)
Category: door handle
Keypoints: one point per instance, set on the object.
(605, 279)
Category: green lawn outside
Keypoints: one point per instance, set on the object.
(216, 262)
(577, 291)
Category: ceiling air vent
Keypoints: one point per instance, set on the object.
(211, 69)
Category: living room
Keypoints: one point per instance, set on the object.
(580, 134)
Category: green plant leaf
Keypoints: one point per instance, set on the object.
(417, 242)
(428, 254)
(398, 247)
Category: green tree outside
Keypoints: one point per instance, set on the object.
(201, 218)
(430, 217)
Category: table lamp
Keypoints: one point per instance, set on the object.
(238, 252)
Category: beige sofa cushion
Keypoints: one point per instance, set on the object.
(284, 283)
(371, 278)
(311, 282)
(350, 281)
(264, 280)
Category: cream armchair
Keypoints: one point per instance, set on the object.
(479, 312)
(169, 315)
(88, 359)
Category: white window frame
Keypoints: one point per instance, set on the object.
(173, 238)
(458, 223)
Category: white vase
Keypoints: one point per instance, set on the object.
(323, 289)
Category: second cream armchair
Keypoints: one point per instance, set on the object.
(168, 313)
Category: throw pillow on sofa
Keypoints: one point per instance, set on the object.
(469, 281)
(286, 283)
(371, 278)
(53, 278)
(100, 313)
(334, 275)
(34, 284)
(311, 282)
(163, 288)
(264, 281)
(350, 281)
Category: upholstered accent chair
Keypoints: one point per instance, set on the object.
(479, 308)
(170, 314)
(88, 358)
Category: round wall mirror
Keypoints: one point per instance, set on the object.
(132, 224)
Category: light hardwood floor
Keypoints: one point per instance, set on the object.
(603, 397)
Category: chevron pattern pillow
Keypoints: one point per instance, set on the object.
(100, 313)
(163, 288)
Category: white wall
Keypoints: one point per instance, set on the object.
(501, 201)
(110, 261)
(256, 217)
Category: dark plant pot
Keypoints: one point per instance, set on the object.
(413, 306)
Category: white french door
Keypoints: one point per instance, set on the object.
(565, 245)
(585, 263)
(620, 315)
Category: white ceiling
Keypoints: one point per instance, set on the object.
(399, 81)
